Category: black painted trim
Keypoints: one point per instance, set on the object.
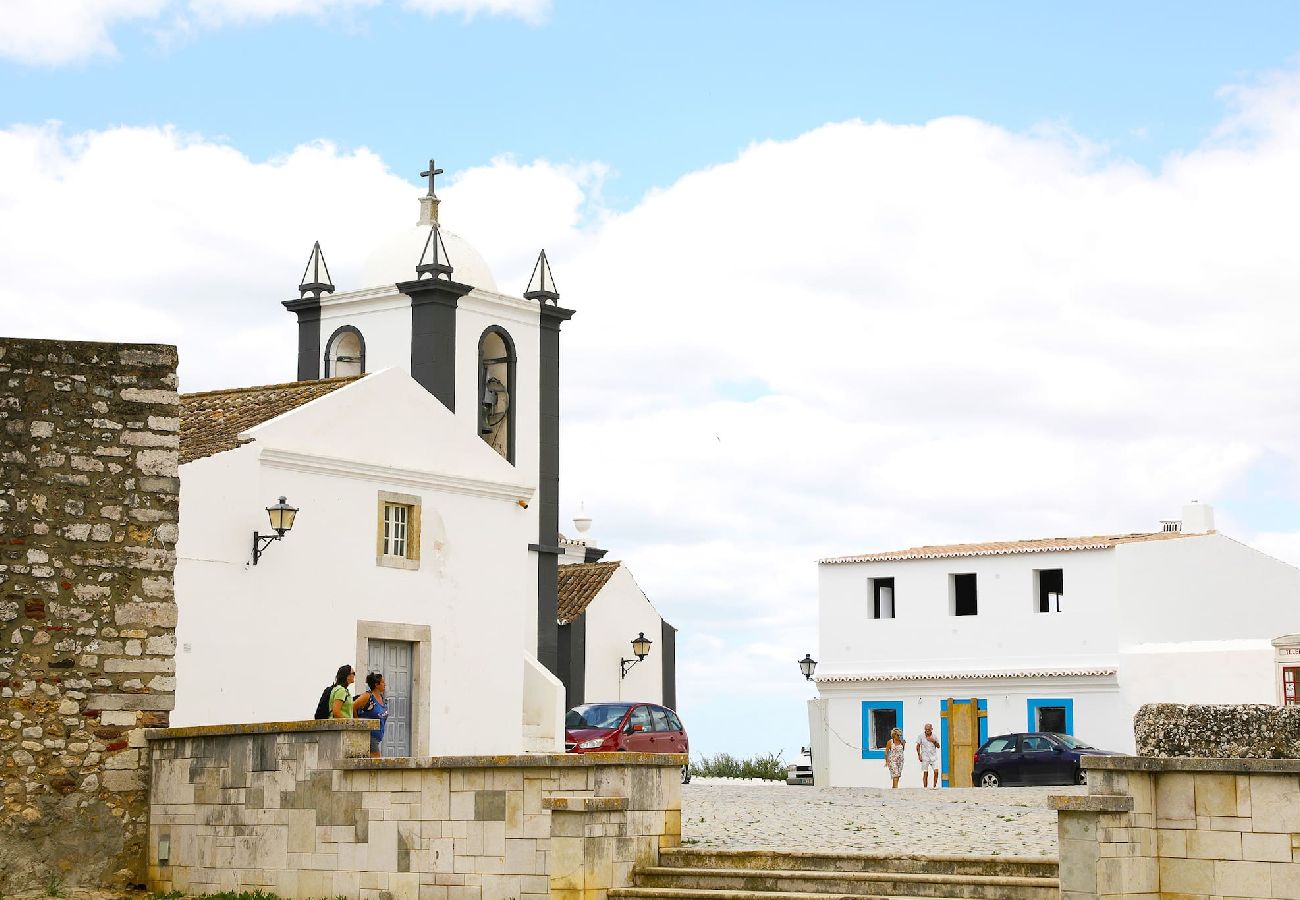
(573, 661)
(511, 382)
(548, 484)
(593, 554)
(668, 659)
(433, 334)
(307, 309)
(343, 329)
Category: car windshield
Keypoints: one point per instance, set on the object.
(596, 715)
(1073, 742)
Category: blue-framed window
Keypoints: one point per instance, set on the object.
(875, 716)
(944, 736)
(1048, 714)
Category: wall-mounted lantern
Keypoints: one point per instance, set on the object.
(281, 516)
(640, 648)
(807, 665)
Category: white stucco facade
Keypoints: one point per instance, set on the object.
(1174, 618)
(259, 642)
(619, 613)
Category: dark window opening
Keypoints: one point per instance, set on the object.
(1051, 585)
(1291, 686)
(882, 598)
(883, 721)
(1051, 719)
(964, 602)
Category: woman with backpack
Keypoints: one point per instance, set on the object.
(372, 705)
(340, 696)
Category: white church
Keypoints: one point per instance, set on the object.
(1066, 635)
(420, 449)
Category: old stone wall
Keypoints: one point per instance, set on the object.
(299, 809)
(1250, 731)
(88, 524)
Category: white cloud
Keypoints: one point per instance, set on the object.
(967, 333)
(58, 32)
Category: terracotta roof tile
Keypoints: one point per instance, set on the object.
(212, 421)
(578, 584)
(999, 548)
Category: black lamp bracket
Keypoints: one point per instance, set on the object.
(261, 542)
(625, 665)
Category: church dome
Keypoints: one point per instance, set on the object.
(395, 259)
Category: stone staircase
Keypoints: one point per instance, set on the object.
(773, 875)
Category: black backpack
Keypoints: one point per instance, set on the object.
(323, 705)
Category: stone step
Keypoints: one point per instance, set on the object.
(763, 860)
(689, 894)
(888, 884)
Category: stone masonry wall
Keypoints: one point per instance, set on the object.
(299, 809)
(1251, 731)
(88, 525)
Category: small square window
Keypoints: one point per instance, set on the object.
(398, 539)
(883, 721)
(1049, 588)
(963, 595)
(1052, 719)
(882, 598)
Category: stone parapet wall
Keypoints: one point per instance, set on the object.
(88, 525)
(1253, 731)
(300, 810)
(1196, 828)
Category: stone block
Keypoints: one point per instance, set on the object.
(1285, 880)
(1187, 876)
(1175, 800)
(490, 806)
(1242, 879)
(1275, 802)
(565, 859)
(521, 856)
(1266, 847)
(302, 830)
(1216, 794)
(1214, 845)
(1172, 842)
(1127, 876)
(404, 886)
(462, 803)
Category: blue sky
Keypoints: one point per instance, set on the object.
(657, 91)
(1070, 310)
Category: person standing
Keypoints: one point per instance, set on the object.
(340, 696)
(927, 752)
(372, 705)
(894, 755)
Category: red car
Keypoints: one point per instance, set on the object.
(638, 727)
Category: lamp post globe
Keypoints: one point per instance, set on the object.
(807, 665)
(281, 516)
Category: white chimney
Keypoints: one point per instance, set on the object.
(1198, 518)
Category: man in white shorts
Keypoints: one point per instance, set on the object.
(927, 751)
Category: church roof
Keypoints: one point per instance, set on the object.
(578, 584)
(1001, 548)
(212, 421)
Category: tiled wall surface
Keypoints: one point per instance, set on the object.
(1192, 829)
(296, 809)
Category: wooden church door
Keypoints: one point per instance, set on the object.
(393, 660)
(964, 727)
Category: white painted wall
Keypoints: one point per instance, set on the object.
(619, 612)
(383, 316)
(837, 753)
(263, 641)
(1007, 633)
(1182, 620)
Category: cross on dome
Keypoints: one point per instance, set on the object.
(431, 173)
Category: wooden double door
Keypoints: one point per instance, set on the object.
(964, 728)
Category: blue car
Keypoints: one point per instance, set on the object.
(1032, 758)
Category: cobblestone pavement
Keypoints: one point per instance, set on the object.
(1006, 821)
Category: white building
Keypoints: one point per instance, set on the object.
(1054, 634)
(421, 446)
(602, 611)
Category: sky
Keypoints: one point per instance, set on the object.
(848, 276)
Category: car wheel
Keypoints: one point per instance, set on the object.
(1080, 776)
(990, 779)
(686, 774)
